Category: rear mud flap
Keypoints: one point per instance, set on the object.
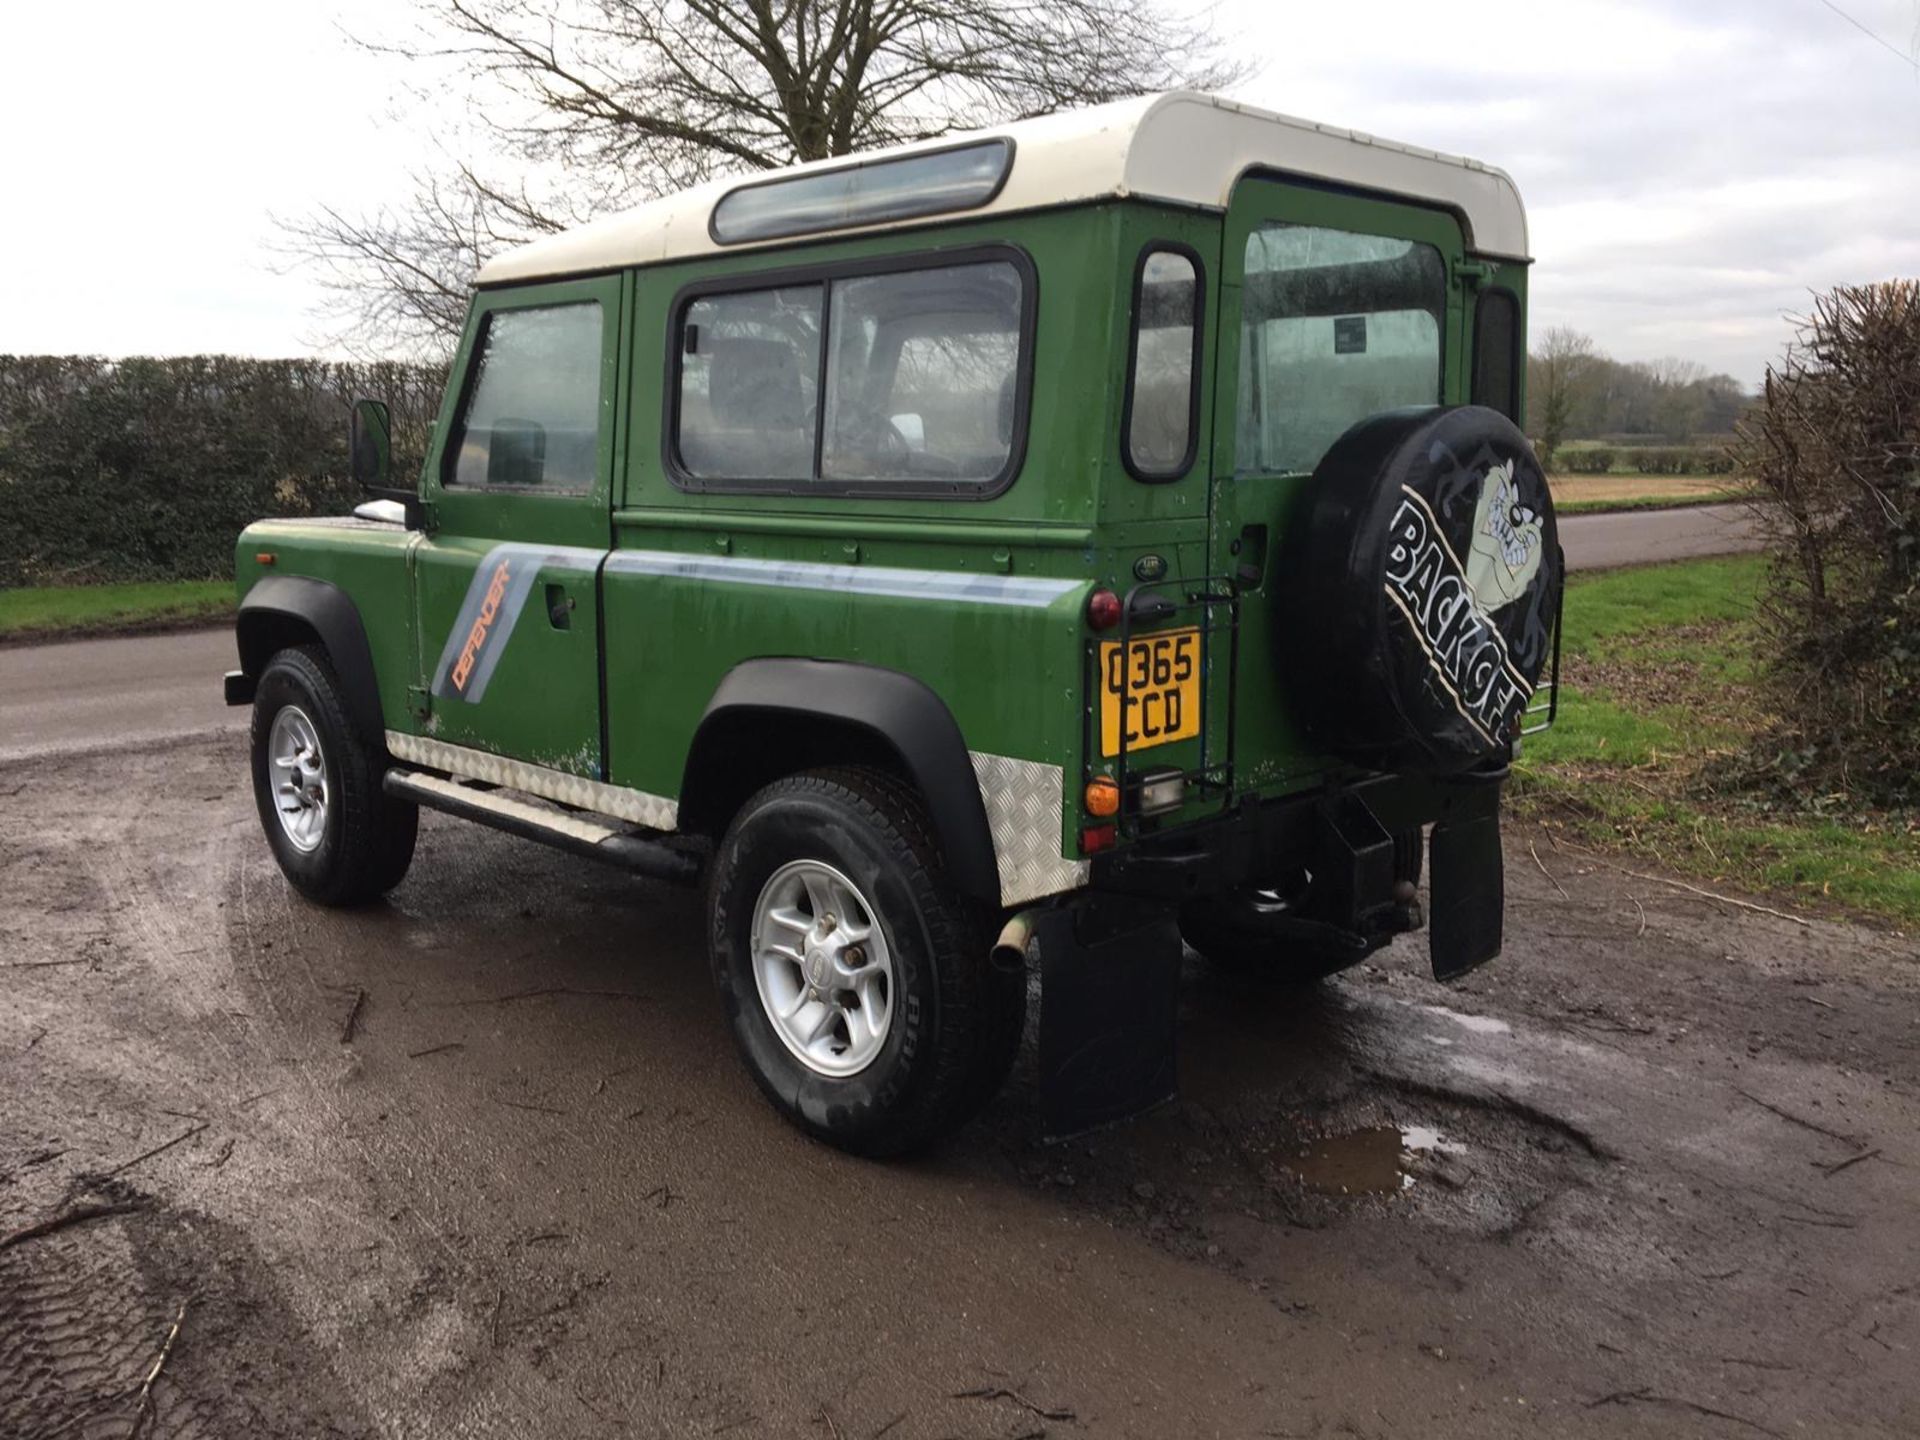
(1109, 992)
(1467, 895)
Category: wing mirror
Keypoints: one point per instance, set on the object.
(370, 448)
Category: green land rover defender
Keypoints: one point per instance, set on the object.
(1066, 540)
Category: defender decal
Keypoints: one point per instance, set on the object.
(482, 626)
(1465, 649)
(495, 597)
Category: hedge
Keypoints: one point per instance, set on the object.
(1677, 460)
(1588, 460)
(1645, 460)
(147, 469)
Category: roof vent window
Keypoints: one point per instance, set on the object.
(935, 182)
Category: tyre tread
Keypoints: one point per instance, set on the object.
(980, 1011)
(376, 839)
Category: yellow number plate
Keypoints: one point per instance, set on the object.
(1157, 685)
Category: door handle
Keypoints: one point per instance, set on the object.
(559, 607)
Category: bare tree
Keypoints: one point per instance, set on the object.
(1564, 360)
(599, 103)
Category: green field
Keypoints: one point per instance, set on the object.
(1659, 687)
(1586, 494)
(50, 611)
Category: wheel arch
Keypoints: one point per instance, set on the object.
(286, 610)
(824, 712)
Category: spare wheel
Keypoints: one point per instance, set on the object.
(1419, 590)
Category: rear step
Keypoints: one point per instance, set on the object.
(594, 836)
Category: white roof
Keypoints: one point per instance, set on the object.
(1183, 148)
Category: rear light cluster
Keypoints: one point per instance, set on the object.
(1155, 793)
(1103, 610)
(1160, 792)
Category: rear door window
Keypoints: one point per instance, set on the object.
(1336, 326)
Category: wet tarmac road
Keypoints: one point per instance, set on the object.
(1645, 537)
(124, 691)
(479, 1162)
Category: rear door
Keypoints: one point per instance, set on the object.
(508, 587)
(1334, 307)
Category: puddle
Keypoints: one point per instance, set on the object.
(1372, 1161)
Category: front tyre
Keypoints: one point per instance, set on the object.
(857, 981)
(316, 783)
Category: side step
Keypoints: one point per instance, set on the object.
(593, 836)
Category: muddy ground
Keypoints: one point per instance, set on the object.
(480, 1162)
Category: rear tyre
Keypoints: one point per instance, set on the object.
(1221, 931)
(339, 839)
(856, 980)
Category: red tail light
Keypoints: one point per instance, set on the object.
(1095, 838)
(1103, 610)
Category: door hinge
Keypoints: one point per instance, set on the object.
(419, 702)
(1472, 273)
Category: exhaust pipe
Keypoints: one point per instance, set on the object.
(1010, 950)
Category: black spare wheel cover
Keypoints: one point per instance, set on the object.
(1419, 592)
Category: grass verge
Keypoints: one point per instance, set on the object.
(1651, 502)
(53, 612)
(1659, 685)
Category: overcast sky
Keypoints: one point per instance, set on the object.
(1692, 168)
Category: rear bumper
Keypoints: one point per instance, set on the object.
(1111, 956)
(1262, 839)
(1343, 838)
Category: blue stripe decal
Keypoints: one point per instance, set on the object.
(1023, 591)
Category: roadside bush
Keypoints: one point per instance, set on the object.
(1834, 449)
(147, 469)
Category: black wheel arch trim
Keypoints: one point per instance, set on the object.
(330, 613)
(892, 708)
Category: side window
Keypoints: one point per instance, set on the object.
(1496, 353)
(925, 374)
(1335, 327)
(901, 377)
(749, 382)
(1163, 372)
(531, 415)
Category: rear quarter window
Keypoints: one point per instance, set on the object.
(1163, 370)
